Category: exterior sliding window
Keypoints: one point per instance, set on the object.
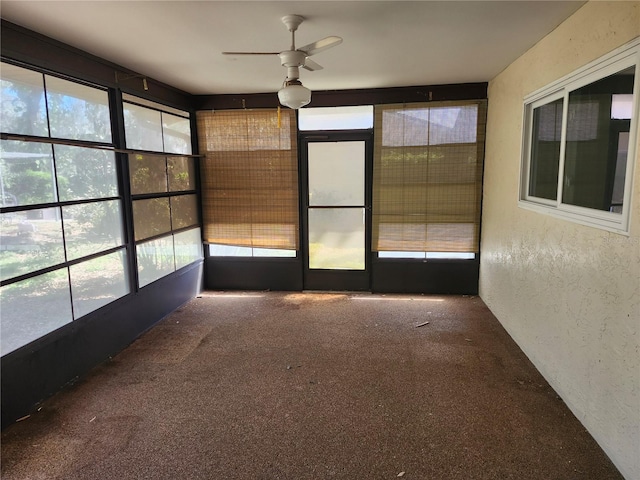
(63, 252)
(249, 182)
(579, 143)
(427, 179)
(162, 175)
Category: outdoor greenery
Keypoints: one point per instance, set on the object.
(61, 203)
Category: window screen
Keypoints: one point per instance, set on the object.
(249, 178)
(427, 176)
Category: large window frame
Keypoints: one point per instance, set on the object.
(162, 189)
(82, 216)
(67, 205)
(625, 57)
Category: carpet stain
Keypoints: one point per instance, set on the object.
(300, 298)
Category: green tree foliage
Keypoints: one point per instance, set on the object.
(23, 107)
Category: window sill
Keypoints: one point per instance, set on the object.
(621, 227)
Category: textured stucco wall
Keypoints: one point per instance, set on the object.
(568, 294)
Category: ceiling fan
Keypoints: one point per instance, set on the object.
(293, 94)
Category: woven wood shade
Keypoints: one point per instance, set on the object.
(427, 176)
(249, 178)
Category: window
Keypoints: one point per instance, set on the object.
(63, 249)
(77, 112)
(152, 127)
(249, 182)
(579, 140)
(165, 214)
(427, 180)
(335, 118)
(166, 223)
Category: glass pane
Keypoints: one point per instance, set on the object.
(596, 149)
(85, 173)
(147, 174)
(184, 211)
(217, 250)
(336, 173)
(545, 150)
(274, 252)
(31, 240)
(151, 217)
(336, 118)
(92, 227)
(48, 307)
(336, 238)
(77, 111)
(26, 173)
(177, 134)
(143, 128)
(23, 109)
(155, 260)
(420, 255)
(182, 173)
(188, 247)
(98, 282)
(451, 255)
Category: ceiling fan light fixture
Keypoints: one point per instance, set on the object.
(294, 95)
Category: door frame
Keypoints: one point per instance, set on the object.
(340, 280)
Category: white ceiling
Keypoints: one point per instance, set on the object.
(386, 43)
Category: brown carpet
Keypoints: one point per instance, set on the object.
(310, 386)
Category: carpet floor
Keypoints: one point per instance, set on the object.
(268, 385)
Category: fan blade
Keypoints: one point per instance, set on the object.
(311, 65)
(250, 53)
(320, 45)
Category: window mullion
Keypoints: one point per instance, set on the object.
(529, 132)
(632, 153)
(563, 148)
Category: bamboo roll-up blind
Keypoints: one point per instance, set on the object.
(249, 178)
(427, 176)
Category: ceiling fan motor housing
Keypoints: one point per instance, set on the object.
(292, 58)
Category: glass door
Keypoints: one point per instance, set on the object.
(337, 210)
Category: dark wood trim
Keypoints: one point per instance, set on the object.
(96, 146)
(441, 277)
(336, 98)
(26, 46)
(239, 273)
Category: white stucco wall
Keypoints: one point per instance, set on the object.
(568, 294)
